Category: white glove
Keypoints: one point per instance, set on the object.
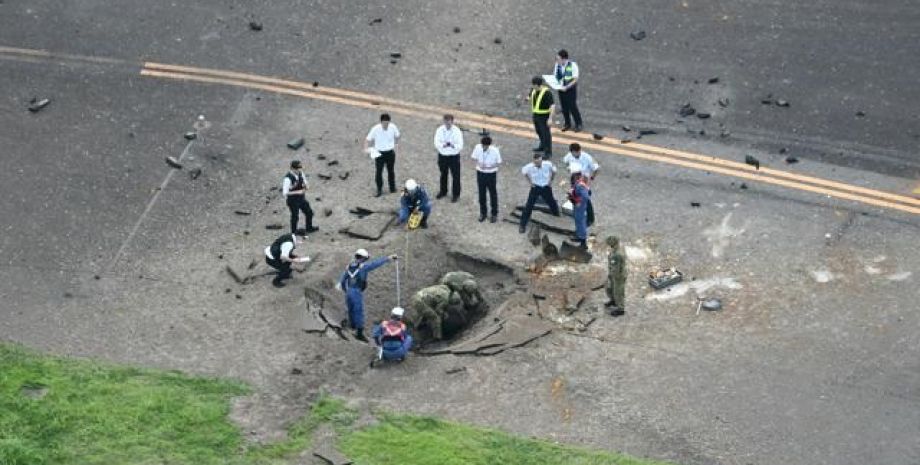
(304, 260)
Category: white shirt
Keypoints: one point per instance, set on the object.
(384, 139)
(574, 69)
(588, 165)
(286, 184)
(286, 250)
(487, 161)
(448, 141)
(541, 176)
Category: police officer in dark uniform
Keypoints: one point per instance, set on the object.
(294, 189)
(541, 108)
(280, 255)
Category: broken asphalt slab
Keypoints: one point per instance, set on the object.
(370, 227)
(516, 331)
(556, 224)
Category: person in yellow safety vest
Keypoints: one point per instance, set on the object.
(566, 73)
(541, 108)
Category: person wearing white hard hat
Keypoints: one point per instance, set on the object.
(392, 336)
(354, 282)
(414, 198)
(580, 196)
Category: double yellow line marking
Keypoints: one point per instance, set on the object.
(520, 128)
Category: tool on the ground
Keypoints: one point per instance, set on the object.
(398, 288)
(660, 279)
(415, 219)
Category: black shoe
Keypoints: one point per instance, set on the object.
(566, 128)
(454, 199)
(617, 311)
(392, 189)
(312, 229)
(578, 128)
(359, 335)
(522, 229)
(277, 283)
(423, 225)
(482, 218)
(440, 196)
(493, 219)
(378, 194)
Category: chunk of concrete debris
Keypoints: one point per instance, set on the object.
(712, 305)
(332, 163)
(626, 128)
(395, 55)
(723, 102)
(860, 113)
(327, 212)
(534, 235)
(598, 136)
(328, 454)
(453, 371)
(320, 157)
(240, 279)
(695, 204)
(375, 21)
(242, 212)
(194, 173)
(574, 253)
(752, 161)
(296, 371)
(173, 163)
(36, 105)
(687, 110)
(626, 140)
(743, 186)
(497, 41)
(370, 227)
(296, 143)
(344, 175)
(255, 26)
(792, 159)
(456, 29)
(273, 226)
(703, 115)
(713, 80)
(324, 176)
(782, 103)
(190, 136)
(647, 132)
(637, 35)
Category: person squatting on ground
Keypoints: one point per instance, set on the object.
(566, 73)
(354, 282)
(448, 140)
(616, 278)
(385, 137)
(280, 255)
(429, 305)
(541, 108)
(487, 160)
(580, 196)
(414, 198)
(589, 169)
(294, 189)
(392, 336)
(540, 174)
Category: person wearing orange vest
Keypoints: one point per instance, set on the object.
(392, 337)
(580, 195)
(541, 108)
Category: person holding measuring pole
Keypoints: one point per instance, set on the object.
(354, 282)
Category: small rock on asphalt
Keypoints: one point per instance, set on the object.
(456, 370)
(324, 176)
(791, 159)
(273, 226)
(344, 175)
(295, 144)
(327, 212)
(695, 204)
(752, 161)
(782, 103)
(36, 105)
(860, 114)
(190, 136)
(598, 137)
(647, 132)
(687, 110)
(242, 212)
(713, 80)
(395, 55)
(321, 157)
(637, 35)
(296, 371)
(194, 174)
(332, 163)
(703, 115)
(173, 163)
(743, 186)
(255, 26)
(498, 40)
(456, 30)
(375, 21)
(723, 102)
(626, 128)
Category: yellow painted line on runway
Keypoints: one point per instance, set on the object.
(917, 190)
(399, 108)
(567, 137)
(58, 56)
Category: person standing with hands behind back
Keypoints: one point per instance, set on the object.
(567, 75)
(385, 137)
(448, 141)
(294, 189)
(487, 160)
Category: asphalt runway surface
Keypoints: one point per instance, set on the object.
(106, 252)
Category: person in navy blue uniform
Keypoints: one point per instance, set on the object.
(580, 195)
(540, 174)
(414, 198)
(392, 336)
(354, 282)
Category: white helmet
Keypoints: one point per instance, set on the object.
(362, 253)
(575, 167)
(398, 312)
(411, 185)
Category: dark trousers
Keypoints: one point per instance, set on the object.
(388, 159)
(449, 164)
(541, 126)
(486, 182)
(297, 204)
(283, 267)
(590, 212)
(544, 192)
(568, 101)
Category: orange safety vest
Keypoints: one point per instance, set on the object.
(393, 328)
(572, 195)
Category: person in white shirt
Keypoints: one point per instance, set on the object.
(385, 137)
(280, 255)
(448, 141)
(566, 73)
(540, 174)
(487, 160)
(589, 169)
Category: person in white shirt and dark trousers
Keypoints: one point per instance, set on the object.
(588, 171)
(487, 160)
(567, 75)
(448, 140)
(540, 174)
(385, 137)
(280, 255)
(294, 189)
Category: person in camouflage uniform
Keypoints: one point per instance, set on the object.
(465, 285)
(429, 306)
(616, 277)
